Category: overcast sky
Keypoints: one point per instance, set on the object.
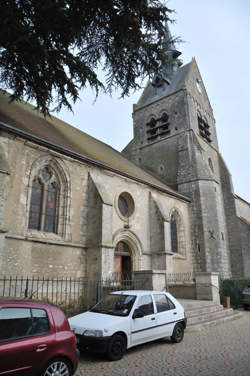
(217, 34)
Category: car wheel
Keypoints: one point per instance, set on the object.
(178, 333)
(116, 347)
(245, 306)
(58, 367)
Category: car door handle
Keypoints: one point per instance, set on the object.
(41, 348)
(153, 318)
(174, 313)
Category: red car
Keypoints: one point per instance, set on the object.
(35, 339)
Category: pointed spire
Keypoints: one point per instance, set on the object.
(173, 54)
(169, 43)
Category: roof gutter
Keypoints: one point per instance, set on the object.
(38, 140)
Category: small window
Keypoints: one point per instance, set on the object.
(211, 164)
(198, 85)
(145, 304)
(163, 303)
(126, 205)
(171, 304)
(40, 322)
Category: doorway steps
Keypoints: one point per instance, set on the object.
(202, 313)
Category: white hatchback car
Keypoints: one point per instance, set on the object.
(124, 319)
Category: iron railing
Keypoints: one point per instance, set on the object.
(180, 278)
(72, 295)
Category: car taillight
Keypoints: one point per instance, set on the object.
(74, 339)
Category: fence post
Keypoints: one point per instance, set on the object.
(99, 287)
(166, 276)
(26, 288)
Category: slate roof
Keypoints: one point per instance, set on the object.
(152, 94)
(22, 117)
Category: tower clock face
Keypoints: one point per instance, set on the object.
(198, 85)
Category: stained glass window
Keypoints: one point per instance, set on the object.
(123, 206)
(36, 204)
(46, 174)
(174, 235)
(43, 202)
(50, 211)
(126, 204)
(122, 247)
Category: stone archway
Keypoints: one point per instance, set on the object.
(123, 261)
(127, 253)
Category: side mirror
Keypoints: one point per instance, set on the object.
(137, 314)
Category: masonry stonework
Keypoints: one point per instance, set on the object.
(165, 205)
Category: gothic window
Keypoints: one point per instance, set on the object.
(204, 128)
(43, 203)
(174, 235)
(36, 204)
(177, 233)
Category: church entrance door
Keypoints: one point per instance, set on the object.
(122, 261)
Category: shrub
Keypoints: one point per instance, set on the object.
(233, 287)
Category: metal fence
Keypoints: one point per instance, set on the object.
(179, 278)
(72, 295)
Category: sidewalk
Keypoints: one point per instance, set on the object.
(222, 350)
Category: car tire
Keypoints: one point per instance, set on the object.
(59, 365)
(116, 347)
(178, 333)
(245, 306)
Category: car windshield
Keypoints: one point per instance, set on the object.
(114, 304)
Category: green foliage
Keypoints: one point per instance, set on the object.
(233, 288)
(71, 308)
(51, 49)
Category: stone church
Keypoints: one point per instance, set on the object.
(73, 206)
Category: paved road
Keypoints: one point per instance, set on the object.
(222, 350)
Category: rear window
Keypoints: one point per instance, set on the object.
(163, 303)
(22, 322)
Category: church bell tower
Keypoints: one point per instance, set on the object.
(175, 139)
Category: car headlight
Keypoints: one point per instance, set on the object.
(93, 333)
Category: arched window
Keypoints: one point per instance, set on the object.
(36, 204)
(43, 203)
(174, 235)
(211, 164)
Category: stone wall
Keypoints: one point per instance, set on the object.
(234, 233)
(4, 188)
(245, 238)
(89, 219)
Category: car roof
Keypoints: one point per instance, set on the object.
(22, 302)
(139, 292)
